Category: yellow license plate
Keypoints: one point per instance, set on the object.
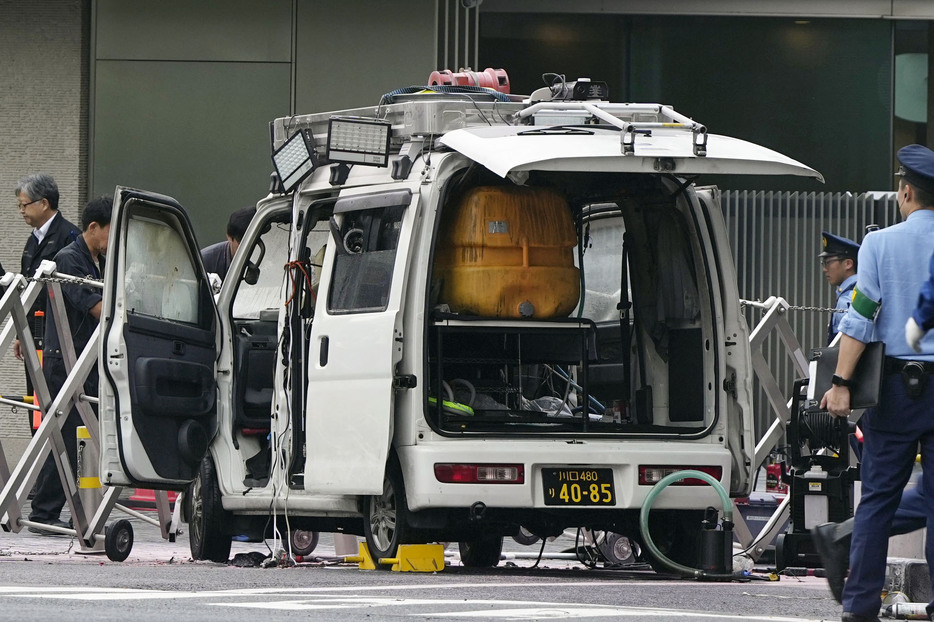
(567, 486)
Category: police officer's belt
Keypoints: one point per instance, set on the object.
(915, 374)
(897, 366)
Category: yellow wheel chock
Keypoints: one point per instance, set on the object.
(410, 558)
(364, 559)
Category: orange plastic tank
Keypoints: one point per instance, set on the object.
(508, 252)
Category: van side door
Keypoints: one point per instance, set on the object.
(356, 342)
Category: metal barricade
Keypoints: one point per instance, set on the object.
(89, 512)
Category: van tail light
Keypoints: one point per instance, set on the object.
(450, 473)
(649, 475)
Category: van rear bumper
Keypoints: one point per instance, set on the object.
(423, 490)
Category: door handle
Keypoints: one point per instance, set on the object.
(323, 352)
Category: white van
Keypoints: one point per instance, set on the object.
(455, 315)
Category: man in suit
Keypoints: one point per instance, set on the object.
(37, 195)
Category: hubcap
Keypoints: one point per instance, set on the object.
(197, 509)
(383, 516)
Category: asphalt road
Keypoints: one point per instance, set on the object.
(43, 577)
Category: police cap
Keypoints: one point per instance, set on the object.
(836, 246)
(917, 166)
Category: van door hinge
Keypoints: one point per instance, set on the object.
(729, 385)
(405, 381)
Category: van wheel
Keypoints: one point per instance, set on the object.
(484, 552)
(386, 525)
(206, 535)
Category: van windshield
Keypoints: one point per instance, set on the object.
(554, 314)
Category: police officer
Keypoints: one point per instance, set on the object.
(838, 261)
(890, 276)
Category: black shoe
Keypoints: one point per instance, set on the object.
(52, 523)
(834, 553)
(855, 617)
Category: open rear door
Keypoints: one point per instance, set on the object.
(356, 342)
(158, 349)
(515, 149)
(741, 438)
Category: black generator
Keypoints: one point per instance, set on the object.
(820, 478)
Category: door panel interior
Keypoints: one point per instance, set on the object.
(170, 335)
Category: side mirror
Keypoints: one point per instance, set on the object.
(251, 274)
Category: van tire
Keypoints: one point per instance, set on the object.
(484, 552)
(206, 535)
(385, 520)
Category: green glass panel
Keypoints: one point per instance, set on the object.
(198, 132)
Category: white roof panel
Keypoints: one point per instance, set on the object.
(505, 149)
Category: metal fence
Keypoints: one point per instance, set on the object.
(776, 237)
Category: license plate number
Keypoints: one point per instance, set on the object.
(564, 486)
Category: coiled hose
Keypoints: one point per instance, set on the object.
(687, 571)
(389, 97)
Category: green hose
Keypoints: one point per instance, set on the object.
(644, 521)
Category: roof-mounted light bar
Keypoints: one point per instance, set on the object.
(356, 140)
(295, 159)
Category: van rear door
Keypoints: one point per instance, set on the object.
(356, 341)
(516, 149)
(738, 366)
(160, 335)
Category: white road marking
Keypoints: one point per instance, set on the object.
(519, 610)
(116, 593)
(347, 597)
(566, 611)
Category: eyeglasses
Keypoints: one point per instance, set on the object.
(828, 260)
(25, 205)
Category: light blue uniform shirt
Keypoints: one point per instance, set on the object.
(892, 267)
(844, 298)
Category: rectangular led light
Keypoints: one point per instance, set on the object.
(449, 473)
(358, 141)
(294, 160)
(649, 475)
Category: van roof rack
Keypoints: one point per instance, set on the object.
(432, 114)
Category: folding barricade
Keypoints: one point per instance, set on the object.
(89, 522)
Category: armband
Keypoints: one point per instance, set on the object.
(864, 305)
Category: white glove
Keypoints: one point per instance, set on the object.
(913, 334)
(215, 280)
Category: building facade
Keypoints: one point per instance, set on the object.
(176, 96)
